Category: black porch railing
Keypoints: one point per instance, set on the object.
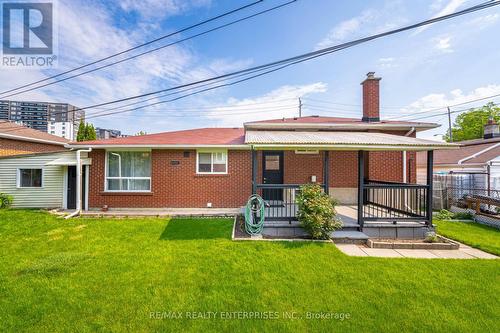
(280, 201)
(391, 201)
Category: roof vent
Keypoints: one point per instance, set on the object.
(294, 118)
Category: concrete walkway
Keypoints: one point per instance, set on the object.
(464, 252)
(194, 212)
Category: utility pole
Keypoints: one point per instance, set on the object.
(449, 125)
(300, 107)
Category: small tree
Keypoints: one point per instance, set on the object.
(80, 136)
(316, 212)
(140, 133)
(90, 131)
(85, 132)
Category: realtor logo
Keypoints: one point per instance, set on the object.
(28, 34)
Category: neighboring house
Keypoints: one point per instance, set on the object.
(42, 180)
(367, 162)
(18, 140)
(37, 169)
(478, 160)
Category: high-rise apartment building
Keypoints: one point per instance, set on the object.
(59, 119)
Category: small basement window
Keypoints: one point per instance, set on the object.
(211, 162)
(29, 178)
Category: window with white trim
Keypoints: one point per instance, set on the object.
(29, 178)
(128, 171)
(212, 162)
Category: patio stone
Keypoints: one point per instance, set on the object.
(351, 250)
(477, 253)
(416, 253)
(386, 253)
(451, 254)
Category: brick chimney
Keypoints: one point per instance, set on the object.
(491, 129)
(371, 103)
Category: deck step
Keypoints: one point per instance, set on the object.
(351, 237)
(350, 227)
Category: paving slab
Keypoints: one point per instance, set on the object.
(386, 253)
(451, 254)
(351, 250)
(410, 253)
(477, 253)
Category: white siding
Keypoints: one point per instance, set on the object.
(50, 195)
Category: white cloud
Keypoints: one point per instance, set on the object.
(449, 8)
(161, 8)
(443, 44)
(346, 29)
(456, 96)
(370, 21)
(89, 33)
(388, 62)
(281, 102)
(484, 21)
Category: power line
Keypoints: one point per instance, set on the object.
(281, 64)
(445, 113)
(453, 105)
(138, 46)
(346, 104)
(310, 55)
(153, 50)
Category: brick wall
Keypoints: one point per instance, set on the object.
(180, 186)
(177, 185)
(9, 147)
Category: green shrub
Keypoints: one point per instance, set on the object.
(316, 212)
(5, 200)
(463, 216)
(431, 237)
(444, 215)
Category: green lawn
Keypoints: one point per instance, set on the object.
(474, 234)
(111, 274)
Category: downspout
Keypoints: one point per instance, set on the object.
(405, 176)
(78, 182)
(410, 132)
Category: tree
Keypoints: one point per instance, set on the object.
(140, 133)
(470, 125)
(80, 136)
(85, 132)
(91, 135)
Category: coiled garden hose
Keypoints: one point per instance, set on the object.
(254, 215)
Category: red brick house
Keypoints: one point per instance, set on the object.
(366, 162)
(19, 140)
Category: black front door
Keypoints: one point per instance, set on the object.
(272, 173)
(71, 195)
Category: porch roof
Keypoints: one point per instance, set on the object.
(340, 140)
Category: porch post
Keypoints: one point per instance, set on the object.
(361, 180)
(326, 173)
(254, 171)
(430, 162)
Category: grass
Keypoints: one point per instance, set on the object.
(473, 234)
(116, 274)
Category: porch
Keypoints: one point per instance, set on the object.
(393, 206)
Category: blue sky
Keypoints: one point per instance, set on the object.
(444, 64)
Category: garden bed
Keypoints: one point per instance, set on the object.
(442, 244)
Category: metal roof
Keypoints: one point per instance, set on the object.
(359, 140)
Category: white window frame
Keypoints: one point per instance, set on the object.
(128, 178)
(18, 181)
(212, 152)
